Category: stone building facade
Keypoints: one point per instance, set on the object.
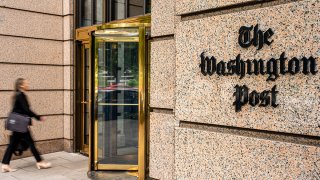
(213, 114)
(36, 40)
(195, 131)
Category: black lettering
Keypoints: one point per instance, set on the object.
(254, 98)
(272, 69)
(283, 63)
(240, 67)
(309, 65)
(258, 37)
(249, 67)
(294, 66)
(256, 67)
(241, 95)
(267, 35)
(244, 36)
(274, 97)
(231, 67)
(261, 67)
(265, 99)
(221, 68)
(207, 65)
(203, 64)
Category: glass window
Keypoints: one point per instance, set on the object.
(148, 6)
(86, 13)
(99, 11)
(92, 12)
(135, 7)
(118, 9)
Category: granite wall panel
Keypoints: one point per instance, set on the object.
(29, 24)
(68, 7)
(44, 147)
(211, 155)
(36, 51)
(39, 77)
(68, 102)
(68, 127)
(68, 77)
(209, 99)
(68, 53)
(162, 83)
(68, 27)
(43, 6)
(191, 6)
(41, 102)
(161, 161)
(51, 128)
(162, 13)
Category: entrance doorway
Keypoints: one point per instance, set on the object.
(85, 67)
(117, 95)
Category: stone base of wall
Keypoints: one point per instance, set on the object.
(44, 147)
(68, 145)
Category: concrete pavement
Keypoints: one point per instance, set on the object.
(65, 166)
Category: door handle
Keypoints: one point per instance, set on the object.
(84, 102)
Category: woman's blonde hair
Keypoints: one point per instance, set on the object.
(18, 84)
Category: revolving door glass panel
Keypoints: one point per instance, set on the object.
(117, 99)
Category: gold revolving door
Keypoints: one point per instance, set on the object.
(119, 137)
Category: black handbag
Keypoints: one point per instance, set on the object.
(17, 123)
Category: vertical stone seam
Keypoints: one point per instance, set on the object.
(63, 52)
(62, 7)
(175, 91)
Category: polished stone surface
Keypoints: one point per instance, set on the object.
(44, 6)
(47, 146)
(211, 155)
(209, 99)
(68, 78)
(28, 24)
(161, 160)
(33, 51)
(162, 75)
(68, 27)
(162, 13)
(68, 145)
(51, 128)
(38, 76)
(68, 56)
(68, 127)
(68, 102)
(68, 7)
(41, 102)
(190, 6)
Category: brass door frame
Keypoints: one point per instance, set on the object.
(86, 46)
(84, 35)
(142, 96)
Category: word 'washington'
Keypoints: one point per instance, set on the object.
(272, 67)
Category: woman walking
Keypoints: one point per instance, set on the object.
(21, 106)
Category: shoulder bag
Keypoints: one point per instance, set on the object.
(17, 123)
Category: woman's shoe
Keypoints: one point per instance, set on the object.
(43, 165)
(7, 168)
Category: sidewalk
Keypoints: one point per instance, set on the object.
(65, 166)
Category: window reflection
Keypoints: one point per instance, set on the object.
(148, 6)
(118, 81)
(99, 11)
(86, 13)
(118, 9)
(135, 7)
